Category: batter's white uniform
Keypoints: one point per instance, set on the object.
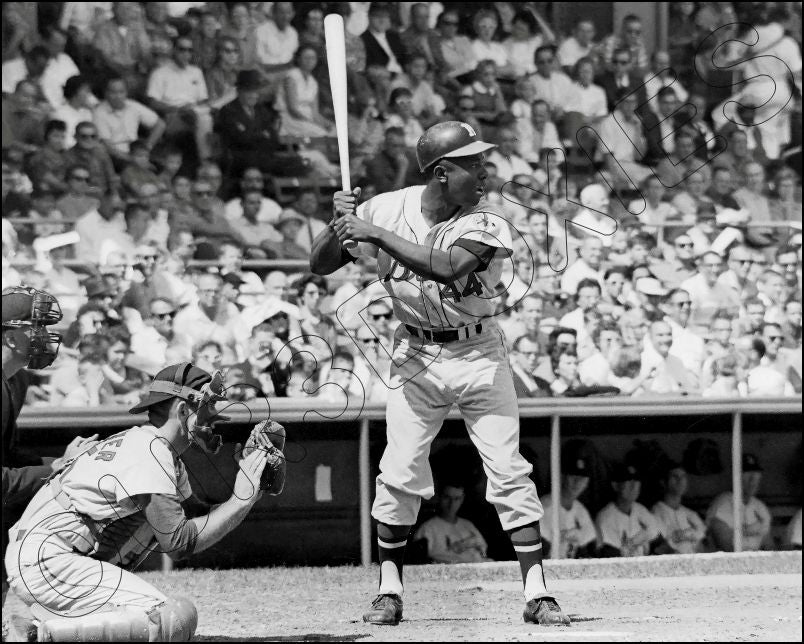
(427, 378)
(49, 557)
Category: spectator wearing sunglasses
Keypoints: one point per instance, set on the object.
(155, 342)
(88, 152)
(740, 258)
(621, 79)
(98, 226)
(78, 200)
(552, 85)
(630, 38)
(787, 362)
(708, 296)
(148, 281)
(372, 363)
(380, 314)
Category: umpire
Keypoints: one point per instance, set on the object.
(27, 343)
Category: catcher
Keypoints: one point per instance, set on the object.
(71, 553)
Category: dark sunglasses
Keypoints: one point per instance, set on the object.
(620, 61)
(381, 316)
(165, 316)
(370, 340)
(87, 136)
(184, 49)
(79, 177)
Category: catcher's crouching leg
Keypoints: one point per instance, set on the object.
(174, 620)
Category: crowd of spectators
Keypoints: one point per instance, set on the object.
(165, 135)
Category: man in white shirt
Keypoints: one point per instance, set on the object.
(155, 342)
(577, 530)
(593, 219)
(119, 119)
(763, 378)
(450, 538)
(551, 85)
(178, 91)
(212, 318)
(505, 157)
(708, 296)
(756, 516)
(587, 266)
(578, 45)
(252, 180)
(681, 527)
(687, 346)
(101, 225)
(623, 143)
(277, 41)
(669, 375)
(59, 68)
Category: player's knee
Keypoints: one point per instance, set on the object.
(177, 620)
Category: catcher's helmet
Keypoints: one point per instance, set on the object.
(448, 140)
(26, 314)
(200, 390)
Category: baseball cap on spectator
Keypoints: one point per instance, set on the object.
(575, 466)
(248, 79)
(622, 472)
(234, 279)
(751, 463)
(650, 286)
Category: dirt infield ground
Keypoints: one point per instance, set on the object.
(752, 597)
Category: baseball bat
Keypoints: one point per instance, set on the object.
(334, 35)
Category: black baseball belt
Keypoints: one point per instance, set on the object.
(442, 336)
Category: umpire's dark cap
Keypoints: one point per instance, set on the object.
(172, 382)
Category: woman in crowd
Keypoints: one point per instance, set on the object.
(241, 28)
(525, 39)
(221, 78)
(485, 47)
(298, 98)
(402, 116)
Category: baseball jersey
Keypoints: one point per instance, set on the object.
(616, 528)
(576, 518)
(753, 511)
(681, 518)
(426, 303)
(443, 538)
(104, 481)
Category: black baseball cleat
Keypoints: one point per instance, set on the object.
(385, 610)
(545, 611)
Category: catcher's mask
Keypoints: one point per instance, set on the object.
(27, 312)
(199, 390)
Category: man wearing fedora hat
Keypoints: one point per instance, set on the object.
(249, 128)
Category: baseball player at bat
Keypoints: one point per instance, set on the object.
(440, 251)
(71, 553)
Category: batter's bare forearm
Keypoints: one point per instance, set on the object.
(428, 263)
(327, 254)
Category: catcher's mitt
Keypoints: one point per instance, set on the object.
(269, 436)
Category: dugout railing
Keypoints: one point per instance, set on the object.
(556, 409)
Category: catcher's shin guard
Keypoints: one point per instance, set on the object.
(174, 620)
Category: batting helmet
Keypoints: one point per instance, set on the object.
(26, 314)
(448, 140)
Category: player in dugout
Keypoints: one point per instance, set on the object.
(71, 554)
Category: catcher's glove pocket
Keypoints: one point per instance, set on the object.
(269, 435)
